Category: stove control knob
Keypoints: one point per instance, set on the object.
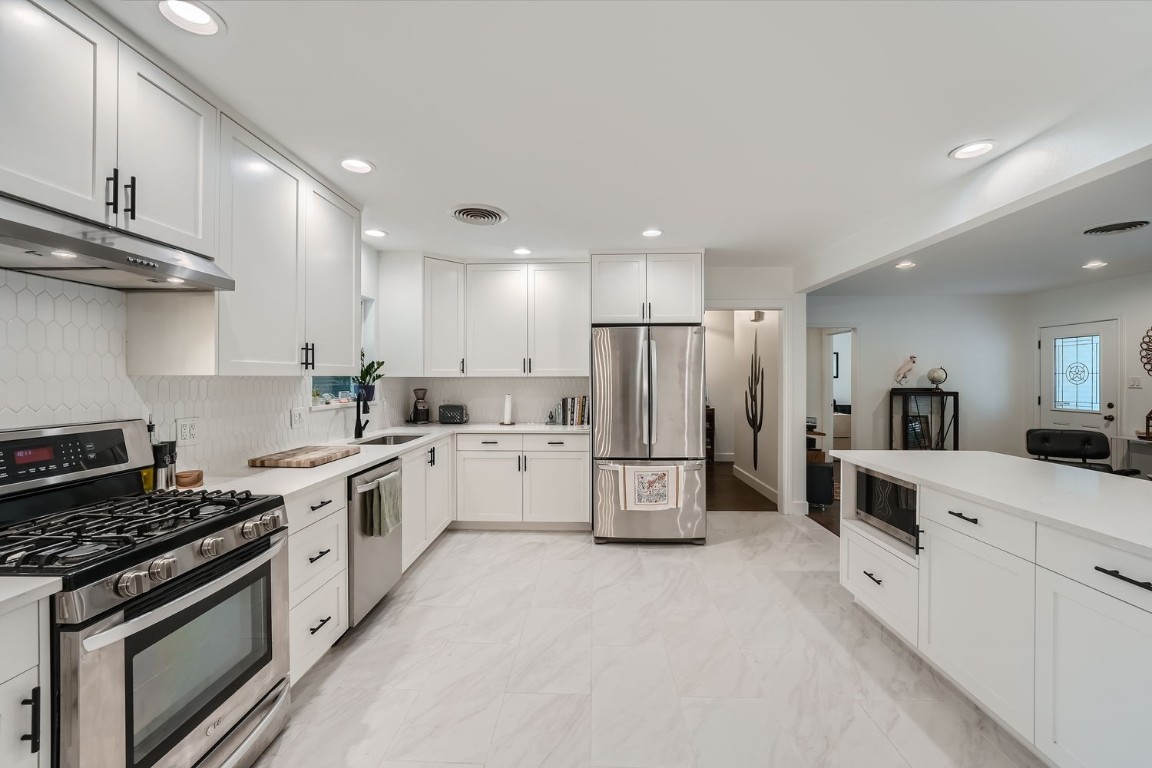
(212, 546)
(162, 568)
(273, 520)
(252, 529)
(132, 584)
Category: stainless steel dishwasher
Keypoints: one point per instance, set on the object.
(374, 562)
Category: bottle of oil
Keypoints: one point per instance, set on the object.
(148, 474)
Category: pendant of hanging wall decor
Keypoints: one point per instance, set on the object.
(1146, 352)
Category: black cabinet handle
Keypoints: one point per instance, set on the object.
(309, 351)
(1117, 575)
(525, 463)
(517, 463)
(523, 365)
(649, 310)
(431, 457)
(555, 442)
(320, 626)
(461, 365)
(317, 557)
(489, 442)
(321, 505)
(33, 737)
(965, 518)
(873, 577)
(114, 203)
(529, 365)
(130, 187)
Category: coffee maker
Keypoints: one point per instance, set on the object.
(420, 410)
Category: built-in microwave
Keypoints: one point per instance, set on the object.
(887, 503)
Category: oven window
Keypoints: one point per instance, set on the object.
(182, 669)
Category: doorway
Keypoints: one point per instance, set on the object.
(1079, 386)
(831, 376)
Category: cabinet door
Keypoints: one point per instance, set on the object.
(556, 487)
(1093, 676)
(332, 282)
(413, 513)
(58, 91)
(619, 288)
(977, 620)
(497, 309)
(488, 486)
(559, 328)
(443, 318)
(675, 288)
(167, 140)
(440, 491)
(261, 236)
(16, 720)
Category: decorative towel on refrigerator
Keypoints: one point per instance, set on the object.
(651, 488)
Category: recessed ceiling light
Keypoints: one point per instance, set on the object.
(191, 16)
(973, 149)
(64, 254)
(175, 279)
(1095, 264)
(652, 232)
(356, 165)
(905, 264)
(522, 252)
(375, 233)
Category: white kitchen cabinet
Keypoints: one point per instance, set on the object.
(315, 623)
(647, 288)
(16, 720)
(24, 666)
(977, 620)
(559, 324)
(332, 283)
(497, 307)
(261, 242)
(523, 478)
(556, 486)
(489, 486)
(440, 497)
(414, 506)
(167, 143)
(443, 318)
(58, 90)
(1093, 676)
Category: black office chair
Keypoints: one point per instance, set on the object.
(1075, 448)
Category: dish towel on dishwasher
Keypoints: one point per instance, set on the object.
(650, 488)
(382, 506)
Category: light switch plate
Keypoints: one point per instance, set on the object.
(1134, 382)
(189, 431)
(296, 418)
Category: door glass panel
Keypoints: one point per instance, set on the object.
(183, 668)
(1076, 373)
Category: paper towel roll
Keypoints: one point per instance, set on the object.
(508, 408)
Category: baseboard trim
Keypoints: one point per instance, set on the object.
(726, 458)
(763, 488)
(473, 525)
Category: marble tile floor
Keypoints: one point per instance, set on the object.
(544, 650)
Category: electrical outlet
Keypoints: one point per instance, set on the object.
(1134, 382)
(296, 418)
(189, 431)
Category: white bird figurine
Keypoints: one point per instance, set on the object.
(905, 370)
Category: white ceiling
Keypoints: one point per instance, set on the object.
(1035, 249)
(762, 131)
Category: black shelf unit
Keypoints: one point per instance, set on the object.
(923, 419)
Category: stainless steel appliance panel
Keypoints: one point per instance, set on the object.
(620, 392)
(887, 503)
(610, 520)
(375, 563)
(676, 365)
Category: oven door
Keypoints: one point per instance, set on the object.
(160, 682)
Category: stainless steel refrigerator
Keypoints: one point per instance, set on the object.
(648, 433)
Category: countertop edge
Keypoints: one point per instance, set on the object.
(18, 591)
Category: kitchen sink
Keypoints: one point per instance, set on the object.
(389, 440)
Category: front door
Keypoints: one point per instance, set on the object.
(1078, 377)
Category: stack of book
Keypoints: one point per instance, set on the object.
(573, 411)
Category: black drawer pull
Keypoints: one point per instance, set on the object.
(1117, 575)
(33, 737)
(965, 518)
(489, 442)
(321, 505)
(555, 442)
(317, 557)
(873, 577)
(114, 203)
(320, 626)
(130, 187)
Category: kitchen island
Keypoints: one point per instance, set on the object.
(1030, 587)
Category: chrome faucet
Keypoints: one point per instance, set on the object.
(361, 403)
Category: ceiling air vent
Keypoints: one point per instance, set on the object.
(480, 215)
(1117, 228)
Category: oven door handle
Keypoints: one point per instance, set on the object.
(121, 631)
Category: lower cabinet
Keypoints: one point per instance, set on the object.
(16, 720)
(489, 486)
(427, 498)
(556, 487)
(317, 622)
(24, 668)
(1093, 676)
(977, 620)
(883, 582)
(317, 574)
(440, 496)
(525, 478)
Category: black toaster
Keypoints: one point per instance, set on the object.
(453, 414)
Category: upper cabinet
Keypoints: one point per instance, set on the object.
(332, 314)
(497, 320)
(421, 314)
(647, 288)
(443, 318)
(558, 319)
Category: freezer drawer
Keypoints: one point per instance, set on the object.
(610, 519)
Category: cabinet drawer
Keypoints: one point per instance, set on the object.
(20, 633)
(308, 506)
(568, 442)
(1002, 530)
(490, 442)
(316, 554)
(316, 623)
(1078, 558)
(882, 582)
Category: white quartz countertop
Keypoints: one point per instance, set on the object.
(18, 591)
(286, 481)
(1113, 509)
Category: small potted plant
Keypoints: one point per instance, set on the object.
(316, 396)
(370, 373)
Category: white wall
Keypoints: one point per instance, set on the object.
(724, 382)
(842, 386)
(764, 475)
(981, 340)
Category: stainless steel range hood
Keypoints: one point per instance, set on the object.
(43, 242)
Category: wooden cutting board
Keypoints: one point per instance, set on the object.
(305, 457)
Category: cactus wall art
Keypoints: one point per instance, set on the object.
(754, 399)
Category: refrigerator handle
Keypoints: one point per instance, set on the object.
(645, 390)
(653, 388)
